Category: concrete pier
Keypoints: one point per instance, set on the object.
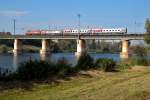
(125, 52)
(81, 48)
(17, 46)
(45, 47)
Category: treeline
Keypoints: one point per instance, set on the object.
(104, 46)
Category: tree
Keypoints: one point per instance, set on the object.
(147, 27)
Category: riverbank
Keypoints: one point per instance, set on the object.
(131, 84)
(26, 48)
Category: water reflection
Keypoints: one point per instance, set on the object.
(15, 62)
(10, 61)
(45, 57)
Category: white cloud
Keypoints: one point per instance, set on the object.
(13, 13)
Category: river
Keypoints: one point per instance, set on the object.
(10, 61)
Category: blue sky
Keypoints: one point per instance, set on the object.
(42, 14)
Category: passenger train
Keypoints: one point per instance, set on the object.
(94, 31)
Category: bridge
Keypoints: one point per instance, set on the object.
(81, 43)
(101, 37)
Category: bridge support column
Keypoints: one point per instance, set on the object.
(45, 47)
(17, 46)
(81, 48)
(125, 53)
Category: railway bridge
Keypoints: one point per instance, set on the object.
(81, 43)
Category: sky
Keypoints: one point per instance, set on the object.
(60, 14)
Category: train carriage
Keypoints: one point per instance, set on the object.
(33, 32)
(51, 32)
(93, 31)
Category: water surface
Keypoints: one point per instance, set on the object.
(10, 61)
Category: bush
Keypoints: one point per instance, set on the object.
(31, 70)
(85, 62)
(6, 75)
(123, 66)
(62, 68)
(34, 70)
(105, 64)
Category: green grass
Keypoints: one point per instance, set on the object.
(133, 84)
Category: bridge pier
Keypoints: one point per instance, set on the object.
(17, 46)
(45, 47)
(81, 48)
(125, 52)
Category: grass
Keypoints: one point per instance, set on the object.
(131, 84)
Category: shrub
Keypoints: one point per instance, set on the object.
(105, 64)
(6, 75)
(62, 67)
(31, 70)
(123, 66)
(85, 62)
(34, 70)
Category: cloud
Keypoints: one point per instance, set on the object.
(13, 13)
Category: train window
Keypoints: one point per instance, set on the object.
(112, 30)
(116, 30)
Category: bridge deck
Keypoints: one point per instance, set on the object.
(103, 37)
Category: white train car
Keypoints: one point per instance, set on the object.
(76, 31)
(95, 31)
(51, 32)
(115, 30)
